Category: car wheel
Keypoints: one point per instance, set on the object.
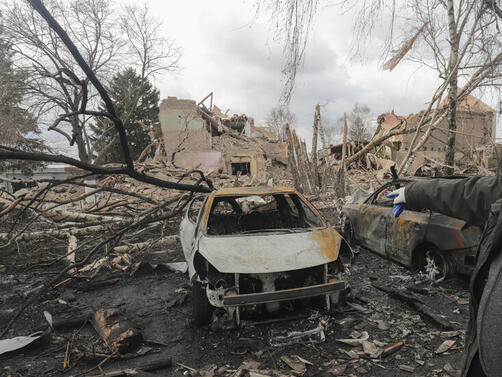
(202, 310)
(437, 265)
(348, 231)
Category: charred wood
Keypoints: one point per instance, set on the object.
(416, 303)
(116, 330)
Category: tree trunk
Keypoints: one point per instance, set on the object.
(452, 91)
(292, 159)
(329, 171)
(302, 169)
(341, 184)
(315, 170)
(79, 140)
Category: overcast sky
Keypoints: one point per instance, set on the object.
(228, 50)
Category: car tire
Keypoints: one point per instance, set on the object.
(436, 265)
(202, 310)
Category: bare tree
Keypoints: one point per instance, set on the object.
(18, 125)
(333, 130)
(98, 30)
(52, 74)
(358, 123)
(140, 214)
(458, 39)
(149, 53)
(277, 118)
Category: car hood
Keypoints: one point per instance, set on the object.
(264, 253)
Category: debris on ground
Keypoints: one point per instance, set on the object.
(315, 335)
(19, 342)
(102, 262)
(118, 334)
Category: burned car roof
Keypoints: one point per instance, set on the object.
(257, 190)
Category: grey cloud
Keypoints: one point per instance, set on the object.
(240, 61)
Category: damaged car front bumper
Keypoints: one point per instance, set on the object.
(334, 286)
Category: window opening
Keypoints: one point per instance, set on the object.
(243, 167)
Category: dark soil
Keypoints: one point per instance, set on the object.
(158, 303)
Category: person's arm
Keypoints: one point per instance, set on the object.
(468, 199)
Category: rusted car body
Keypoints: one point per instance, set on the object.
(439, 244)
(253, 248)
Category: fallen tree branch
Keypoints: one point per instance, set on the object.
(158, 363)
(416, 303)
(399, 130)
(42, 193)
(142, 222)
(27, 236)
(40, 156)
(6, 208)
(117, 191)
(57, 215)
(166, 240)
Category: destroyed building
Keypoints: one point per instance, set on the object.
(475, 140)
(198, 137)
(476, 126)
(390, 147)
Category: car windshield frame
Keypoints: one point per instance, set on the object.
(288, 197)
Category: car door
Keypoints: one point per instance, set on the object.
(188, 226)
(403, 233)
(372, 224)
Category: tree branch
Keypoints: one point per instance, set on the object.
(42, 10)
(12, 154)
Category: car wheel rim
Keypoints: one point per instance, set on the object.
(436, 267)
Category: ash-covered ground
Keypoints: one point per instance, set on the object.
(158, 303)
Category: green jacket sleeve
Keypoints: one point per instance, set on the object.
(468, 199)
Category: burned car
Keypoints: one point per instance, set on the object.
(421, 240)
(257, 248)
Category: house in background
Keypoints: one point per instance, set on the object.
(476, 128)
(51, 171)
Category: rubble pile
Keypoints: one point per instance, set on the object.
(117, 295)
